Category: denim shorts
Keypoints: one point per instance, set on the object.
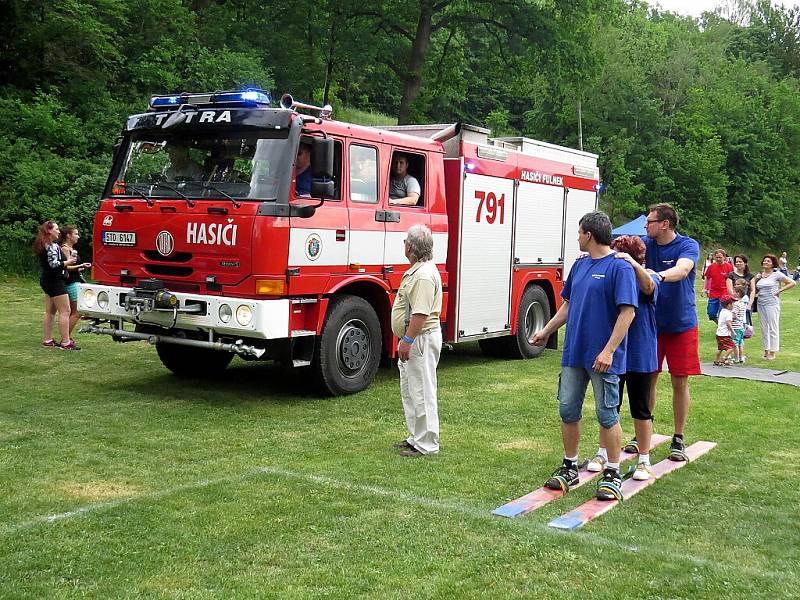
(72, 290)
(572, 384)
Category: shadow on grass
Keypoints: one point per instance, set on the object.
(245, 382)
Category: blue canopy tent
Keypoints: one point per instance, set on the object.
(635, 227)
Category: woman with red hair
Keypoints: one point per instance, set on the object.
(52, 281)
(641, 357)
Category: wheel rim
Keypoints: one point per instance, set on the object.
(534, 320)
(353, 348)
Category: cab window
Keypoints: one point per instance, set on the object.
(363, 174)
(407, 179)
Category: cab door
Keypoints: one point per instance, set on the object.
(400, 218)
(367, 227)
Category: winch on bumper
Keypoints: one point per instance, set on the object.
(152, 304)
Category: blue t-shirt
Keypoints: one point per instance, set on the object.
(642, 336)
(675, 311)
(302, 183)
(595, 289)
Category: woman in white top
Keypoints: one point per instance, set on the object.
(767, 285)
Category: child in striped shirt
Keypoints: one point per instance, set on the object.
(739, 318)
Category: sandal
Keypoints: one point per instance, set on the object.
(49, 343)
(718, 363)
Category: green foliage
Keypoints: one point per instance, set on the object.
(703, 115)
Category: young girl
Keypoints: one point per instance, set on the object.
(69, 239)
(725, 345)
(740, 318)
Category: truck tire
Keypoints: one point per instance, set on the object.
(186, 361)
(348, 350)
(533, 315)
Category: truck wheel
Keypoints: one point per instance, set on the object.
(186, 361)
(349, 348)
(533, 315)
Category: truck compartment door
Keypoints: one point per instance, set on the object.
(539, 224)
(579, 202)
(484, 265)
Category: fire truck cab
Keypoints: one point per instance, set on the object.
(232, 227)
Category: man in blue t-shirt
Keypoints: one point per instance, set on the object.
(600, 298)
(673, 257)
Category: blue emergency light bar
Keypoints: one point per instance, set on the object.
(247, 98)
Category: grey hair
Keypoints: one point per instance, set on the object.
(420, 239)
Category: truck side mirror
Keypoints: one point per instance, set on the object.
(322, 159)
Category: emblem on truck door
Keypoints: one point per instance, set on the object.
(165, 243)
(313, 246)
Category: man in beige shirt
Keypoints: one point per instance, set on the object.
(415, 321)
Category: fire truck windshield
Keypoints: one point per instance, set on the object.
(244, 167)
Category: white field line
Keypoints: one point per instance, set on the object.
(583, 536)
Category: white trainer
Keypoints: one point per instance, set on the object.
(643, 472)
(597, 464)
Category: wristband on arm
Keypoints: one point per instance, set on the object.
(407, 339)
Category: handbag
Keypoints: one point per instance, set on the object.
(748, 332)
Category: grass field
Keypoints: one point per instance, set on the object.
(120, 480)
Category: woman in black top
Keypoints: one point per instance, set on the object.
(53, 264)
(69, 239)
(740, 271)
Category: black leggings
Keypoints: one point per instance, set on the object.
(638, 394)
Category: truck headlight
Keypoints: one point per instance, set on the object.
(89, 298)
(244, 315)
(225, 313)
(102, 300)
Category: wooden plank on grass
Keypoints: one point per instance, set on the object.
(538, 498)
(591, 509)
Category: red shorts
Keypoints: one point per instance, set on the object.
(681, 351)
(725, 342)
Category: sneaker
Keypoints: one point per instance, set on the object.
(51, 343)
(631, 447)
(677, 450)
(743, 360)
(597, 464)
(643, 472)
(563, 478)
(70, 345)
(610, 486)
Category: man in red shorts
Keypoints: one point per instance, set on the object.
(673, 257)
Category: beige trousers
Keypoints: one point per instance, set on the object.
(418, 389)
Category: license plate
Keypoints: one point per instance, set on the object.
(119, 238)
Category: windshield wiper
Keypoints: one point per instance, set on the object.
(189, 201)
(148, 199)
(236, 203)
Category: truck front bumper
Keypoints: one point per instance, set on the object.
(236, 317)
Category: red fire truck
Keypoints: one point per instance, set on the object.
(208, 244)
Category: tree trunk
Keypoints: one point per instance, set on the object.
(412, 80)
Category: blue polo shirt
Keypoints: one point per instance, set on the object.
(302, 183)
(642, 334)
(595, 289)
(675, 311)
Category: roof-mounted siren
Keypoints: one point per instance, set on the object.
(289, 103)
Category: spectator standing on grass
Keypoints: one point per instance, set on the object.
(740, 318)
(708, 263)
(783, 264)
(741, 270)
(415, 322)
(769, 284)
(53, 283)
(69, 239)
(725, 332)
(673, 257)
(641, 359)
(600, 297)
(716, 275)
